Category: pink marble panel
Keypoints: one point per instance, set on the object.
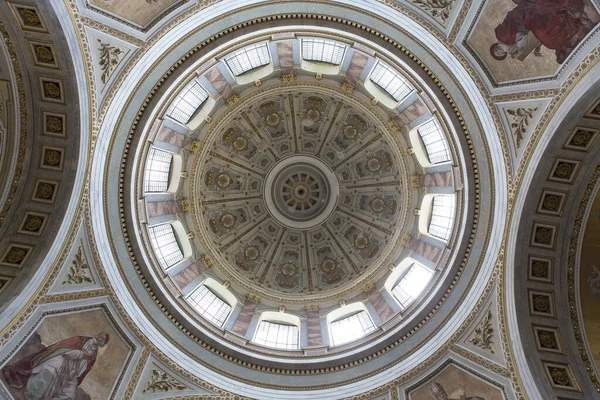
(424, 249)
(186, 276)
(313, 323)
(164, 208)
(380, 304)
(216, 79)
(442, 179)
(357, 64)
(412, 112)
(244, 317)
(172, 137)
(286, 61)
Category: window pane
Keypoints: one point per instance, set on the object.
(435, 143)
(187, 102)
(165, 245)
(410, 286)
(351, 328)
(209, 305)
(158, 169)
(248, 58)
(391, 81)
(322, 50)
(280, 336)
(442, 216)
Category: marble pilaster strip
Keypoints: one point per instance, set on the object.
(186, 276)
(286, 61)
(216, 79)
(441, 179)
(175, 138)
(244, 317)
(313, 323)
(357, 64)
(164, 208)
(412, 112)
(426, 250)
(380, 304)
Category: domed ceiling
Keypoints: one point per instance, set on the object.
(301, 191)
(313, 231)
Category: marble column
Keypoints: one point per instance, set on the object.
(245, 316)
(412, 112)
(286, 61)
(440, 179)
(164, 208)
(357, 64)
(219, 82)
(186, 276)
(313, 323)
(426, 250)
(379, 303)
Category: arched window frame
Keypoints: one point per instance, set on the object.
(405, 297)
(258, 60)
(391, 92)
(169, 243)
(188, 102)
(436, 152)
(216, 304)
(345, 313)
(326, 59)
(158, 178)
(277, 323)
(430, 211)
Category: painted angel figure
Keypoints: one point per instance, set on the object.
(593, 281)
(56, 371)
(558, 25)
(438, 392)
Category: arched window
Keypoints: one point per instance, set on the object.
(354, 323)
(278, 330)
(210, 305)
(390, 80)
(248, 58)
(321, 50)
(158, 171)
(434, 141)
(187, 102)
(410, 285)
(165, 244)
(442, 216)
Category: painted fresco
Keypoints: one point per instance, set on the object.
(138, 12)
(589, 284)
(524, 39)
(76, 356)
(454, 383)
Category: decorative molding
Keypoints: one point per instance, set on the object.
(520, 120)
(483, 333)
(162, 382)
(79, 272)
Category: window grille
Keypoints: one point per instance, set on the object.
(350, 328)
(321, 50)
(209, 305)
(412, 283)
(442, 216)
(165, 245)
(435, 143)
(158, 170)
(277, 335)
(391, 81)
(187, 102)
(248, 58)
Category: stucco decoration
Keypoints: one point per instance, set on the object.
(518, 41)
(74, 354)
(456, 383)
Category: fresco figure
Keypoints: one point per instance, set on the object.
(593, 281)
(56, 371)
(558, 25)
(438, 392)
